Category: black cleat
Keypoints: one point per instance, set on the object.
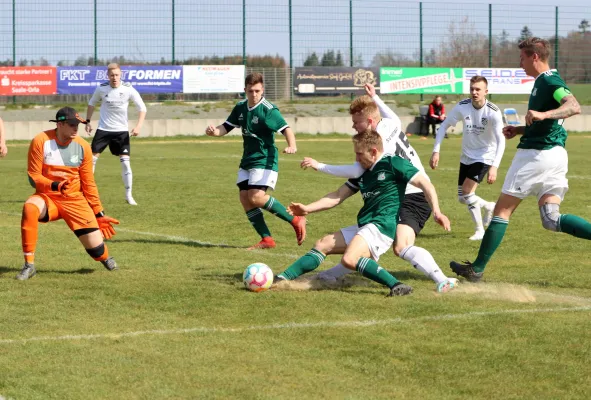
(110, 264)
(466, 271)
(400, 289)
(277, 279)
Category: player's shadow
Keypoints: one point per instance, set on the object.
(83, 271)
(182, 242)
(12, 201)
(228, 278)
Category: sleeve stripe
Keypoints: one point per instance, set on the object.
(231, 124)
(282, 128)
(352, 186)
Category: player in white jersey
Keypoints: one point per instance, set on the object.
(483, 145)
(113, 127)
(366, 112)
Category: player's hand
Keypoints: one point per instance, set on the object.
(370, 90)
(290, 150)
(309, 162)
(442, 220)
(3, 150)
(297, 209)
(135, 131)
(105, 224)
(509, 131)
(492, 175)
(434, 161)
(532, 116)
(88, 128)
(210, 130)
(67, 187)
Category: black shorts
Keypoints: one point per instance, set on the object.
(414, 211)
(475, 172)
(118, 142)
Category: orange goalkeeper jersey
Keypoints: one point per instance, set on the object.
(50, 161)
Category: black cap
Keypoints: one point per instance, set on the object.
(67, 114)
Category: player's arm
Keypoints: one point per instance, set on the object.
(343, 171)
(35, 169)
(385, 111)
(141, 108)
(448, 122)
(219, 130)
(96, 96)
(3, 148)
(497, 127)
(87, 183)
(421, 181)
(569, 106)
(327, 202)
(290, 139)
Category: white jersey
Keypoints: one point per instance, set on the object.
(395, 143)
(482, 139)
(114, 104)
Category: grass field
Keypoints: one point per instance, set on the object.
(175, 321)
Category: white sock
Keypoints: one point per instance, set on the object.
(474, 204)
(335, 272)
(422, 260)
(126, 174)
(94, 160)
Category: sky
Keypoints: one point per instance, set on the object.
(142, 30)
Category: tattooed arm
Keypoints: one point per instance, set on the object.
(569, 106)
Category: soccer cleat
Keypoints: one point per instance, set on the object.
(447, 285)
(266, 243)
(130, 201)
(326, 278)
(110, 264)
(488, 214)
(278, 278)
(27, 272)
(299, 226)
(466, 271)
(400, 289)
(478, 235)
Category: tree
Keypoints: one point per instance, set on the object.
(312, 60)
(339, 61)
(392, 59)
(328, 59)
(525, 33)
(583, 26)
(504, 39)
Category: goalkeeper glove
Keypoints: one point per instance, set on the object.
(105, 225)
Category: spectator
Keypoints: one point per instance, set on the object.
(436, 114)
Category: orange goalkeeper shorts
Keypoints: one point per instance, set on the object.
(75, 211)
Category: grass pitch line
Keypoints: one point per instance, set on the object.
(294, 325)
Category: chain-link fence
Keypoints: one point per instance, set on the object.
(282, 34)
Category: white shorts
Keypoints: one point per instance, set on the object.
(377, 242)
(259, 177)
(537, 172)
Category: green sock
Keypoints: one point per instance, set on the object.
(276, 208)
(257, 220)
(308, 262)
(576, 226)
(491, 240)
(372, 270)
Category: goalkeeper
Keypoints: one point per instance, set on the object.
(60, 170)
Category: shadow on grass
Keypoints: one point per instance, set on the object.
(189, 243)
(83, 271)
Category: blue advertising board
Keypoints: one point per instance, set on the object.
(145, 79)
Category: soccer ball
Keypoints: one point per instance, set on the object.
(257, 277)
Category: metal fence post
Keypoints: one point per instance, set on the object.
(244, 32)
(291, 70)
(490, 39)
(421, 39)
(14, 40)
(173, 34)
(95, 34)
(557, 40)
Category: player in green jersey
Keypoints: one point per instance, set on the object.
(541, 162)
(259, 120)
(382, 186)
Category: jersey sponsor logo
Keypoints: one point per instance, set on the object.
(367, 195)
(467, 118)
(255, 119)
(381, 176)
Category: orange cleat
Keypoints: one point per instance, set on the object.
(266, 243)
(299, 226)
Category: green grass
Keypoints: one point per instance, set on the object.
(175, 321)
